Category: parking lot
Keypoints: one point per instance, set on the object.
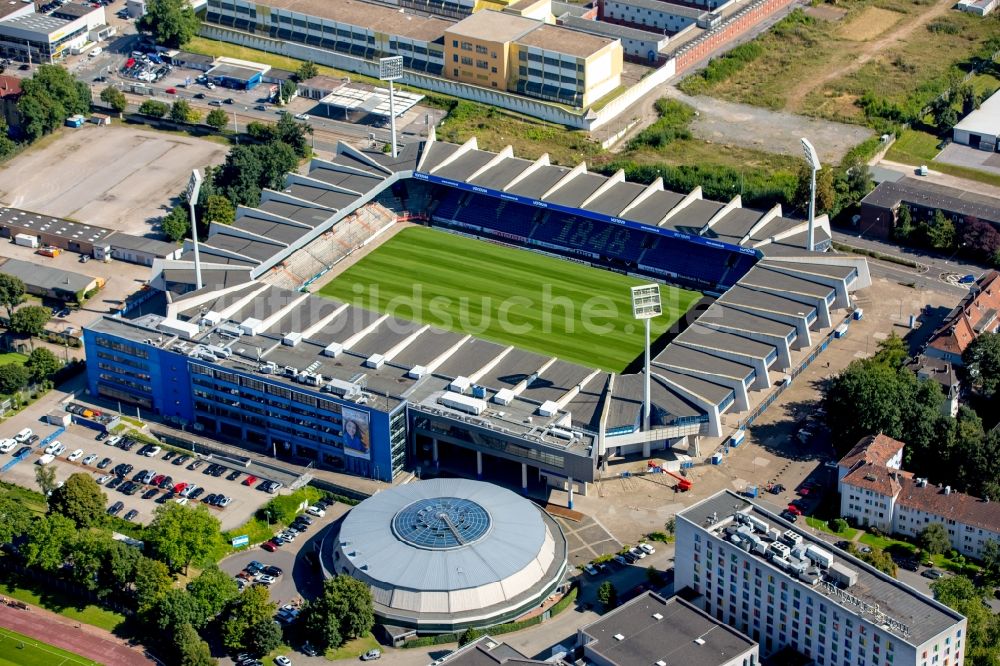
(118, 177)
(245, 500)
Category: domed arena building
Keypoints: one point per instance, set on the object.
(445, 554)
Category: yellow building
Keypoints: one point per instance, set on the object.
(504, 51)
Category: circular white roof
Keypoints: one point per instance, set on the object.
(443, 535)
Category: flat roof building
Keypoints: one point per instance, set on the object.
(54, 231)
(786, 588)
(49, 282)
(981, 128)
(44, 38)
(923, 198)
(650, 629)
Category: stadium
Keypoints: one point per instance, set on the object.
(446, 554)
(349, 379)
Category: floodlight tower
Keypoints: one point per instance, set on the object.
(646, 305)
(813, 159)
(391, 69)
(193, 188)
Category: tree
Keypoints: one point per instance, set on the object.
(306, 71)
(87, 554)
(118, 571)
(114, 98)
(11, 292)
(171, 22)
(607, 595)
(904, 223)
(175, 608)
(250, 168)
(252, 608)
(30, 320)
(264, 636)
(190, 649)
(80, 499)
(826, 195)
(15, 519)
(219, 209)
(322, 627)
(262, 132)
(7, 145)
(989, 556)
(180, 534)
(48, 98)
(45, 477)
(290, 131)
(343, 611)
(13, 378)
(181, 111)
(49, 541)
(154, 108)
(979, 238)
(838, 525)
(982, 362)
(941, 233)
(217, 118)
(934, 539)
(892, 351)
(470, 635)
(176, 224)
(982, 627)
(152, 580)
(42, 364)
(287, 91)
(213, 589)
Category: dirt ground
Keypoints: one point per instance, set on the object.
(869, 24)
(118, 177)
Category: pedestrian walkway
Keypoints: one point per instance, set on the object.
(83, 639)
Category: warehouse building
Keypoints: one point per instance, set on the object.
(981, 128)
(446, 554)
(786, 588)
(879, 209)
(136, 249)
(52, 231)
(48, 282)
(652, 630)
(655, 15)
(638, 45)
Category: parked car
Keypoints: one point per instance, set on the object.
(282, 660)
(272, 570)
(104, 463)
(269, 546)
(114, 482)
(116, 508)
(76, 455)
(55, 448)
(199, 95)
(23, 451)
(232, 476)
(933, 574)
(371, 655)
(166, 483)
(196, 493)
(152, 452)
(101, 436)
(113, 441)
(171, 91)
(223, 501)
(131, 515)
(195, 465)
(150, 494)
(649, 550)
(264, 578)
(165, 497)
(590, 570)
(776, 489)
(101, 480)
(639, 553)
(316, 511)
(209, 499)
(302, 116)
(789, 516)
(180, 460)
(215, 102)
(250, 480)
(169, 455)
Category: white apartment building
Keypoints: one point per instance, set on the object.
(782, 587)
(875, 491)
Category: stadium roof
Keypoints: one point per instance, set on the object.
(369, 17)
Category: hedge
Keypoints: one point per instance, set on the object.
(284, 508)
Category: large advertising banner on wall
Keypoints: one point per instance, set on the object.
(357, 434)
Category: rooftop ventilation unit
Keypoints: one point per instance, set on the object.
(503, 397)
(184, 329)
(375, 361)
(342, 388)
(548, 408)
(228, 329)
(333, 349)
(252, 326)
(463, 403)
(417, 372)
(460, 385)
(291, 339)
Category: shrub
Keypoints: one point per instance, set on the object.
(285, 507)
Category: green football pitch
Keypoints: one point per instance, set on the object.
(517, 297)
(19, 650)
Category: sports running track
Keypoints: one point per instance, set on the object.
(83, 639)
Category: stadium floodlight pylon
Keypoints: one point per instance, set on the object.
(646, 304)
(391, 69)
(813, 160)
(193, 188)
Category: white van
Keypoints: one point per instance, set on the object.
(23, 436)
(96, 51)
(45, 460)
(6, 445)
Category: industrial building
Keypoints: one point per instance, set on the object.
(652, 630)
(786, 588)
(48, 282)
(52, 231)
(251, 360)
(981, 128)
(656, 15)
(446, 554)
(527, 56)
(879, 209)
(44, 38)
(639, 45)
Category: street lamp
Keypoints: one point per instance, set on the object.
(391, 69)
(646, 305)
(193, 188)
(813, 160)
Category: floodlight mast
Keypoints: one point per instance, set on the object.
(193, 188)
(646, 305)
(813, 160)
(391, 69)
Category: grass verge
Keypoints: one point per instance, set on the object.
(823, 526)
(20, 650)
(353, 649)
(12, 357)
(57, 602)
(546, 305)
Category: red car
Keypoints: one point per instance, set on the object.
(171, 91)
(794, 509)
(250, 480)
(179, 488)
(269, 546)
(158, 479)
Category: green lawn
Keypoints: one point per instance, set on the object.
(353, 649)
(917, 147)
(20, 650)
(821, 525)
(58, 602)
(885, 543)
(12, 357)
(514, 297)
